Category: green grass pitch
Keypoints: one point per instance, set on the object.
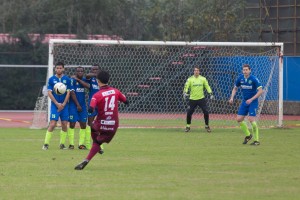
(153, 164)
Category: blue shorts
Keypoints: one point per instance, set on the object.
(93, 114)
(248, 108)
(76, 116)
(63, 114)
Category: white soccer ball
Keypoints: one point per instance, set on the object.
(60, 88)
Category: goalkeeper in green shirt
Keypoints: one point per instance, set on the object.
(194, 91)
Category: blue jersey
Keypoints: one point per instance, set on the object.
(94, 87)
(64, 113)
(52, 81)
(79, 92)
(249, 86)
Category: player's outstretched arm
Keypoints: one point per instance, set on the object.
(207, 87)
(186, 86)
(83, 83)
(234, 90)
(186, 89)
(122, 98)
(90, 75)
(126, 102)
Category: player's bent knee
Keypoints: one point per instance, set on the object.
(97, 142)
(240, 118)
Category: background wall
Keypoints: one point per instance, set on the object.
(291, 79)
(291, 89)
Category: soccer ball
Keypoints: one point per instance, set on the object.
(60, 88)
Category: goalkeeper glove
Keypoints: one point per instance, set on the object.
(211, 96)
(186, 96)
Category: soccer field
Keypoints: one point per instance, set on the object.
(153, 164)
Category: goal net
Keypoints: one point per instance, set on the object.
(152, 75)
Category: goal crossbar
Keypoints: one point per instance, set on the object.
(168, 43)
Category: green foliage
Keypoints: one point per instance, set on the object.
(177, 20)
(21, 87)
(153, 164)
(189, 20)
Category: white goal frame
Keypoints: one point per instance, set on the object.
(52, 42)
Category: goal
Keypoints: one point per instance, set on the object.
(152, 75)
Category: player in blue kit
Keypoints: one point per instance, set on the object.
(78, 111)
(251, 90)
(93, 88)
(59, 106)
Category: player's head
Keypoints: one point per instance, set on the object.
(60, 64)
(196, 71)
(103, 76)
(59, 68)
(95, 68)
(79, 72)
(246, 70)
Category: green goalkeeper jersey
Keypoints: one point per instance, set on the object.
(196, 87)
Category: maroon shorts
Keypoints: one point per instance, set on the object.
(102, 137)
(103, 133)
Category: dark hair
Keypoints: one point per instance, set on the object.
(196, 66)
(79, 67)
(246, 65)
(60, 64)
(103, 76)
(95, 66)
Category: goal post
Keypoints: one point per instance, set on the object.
(152, 75)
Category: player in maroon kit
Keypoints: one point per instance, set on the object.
(106, 123)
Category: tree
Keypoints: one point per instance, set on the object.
(184, 20)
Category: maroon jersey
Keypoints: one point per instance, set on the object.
(106, 100)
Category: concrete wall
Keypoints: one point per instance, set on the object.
(291, 108)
